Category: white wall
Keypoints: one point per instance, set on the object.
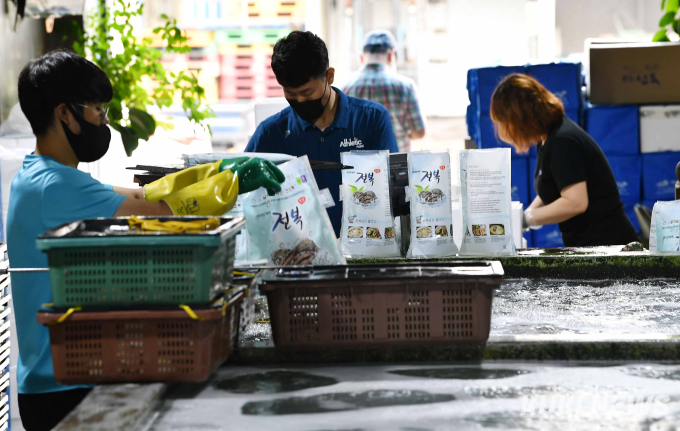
(16, 49)
(457, 35)
(577, 20)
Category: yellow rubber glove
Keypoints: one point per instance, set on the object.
(212, 196)
(169, 184)
(156, 225)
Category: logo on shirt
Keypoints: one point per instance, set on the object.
(352, 143)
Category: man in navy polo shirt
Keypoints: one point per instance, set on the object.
(321, 121)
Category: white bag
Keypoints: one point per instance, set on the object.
(367, 221)
(486, 202)
(242, 237)
(664, 231)
(429, 176)
(292, 227)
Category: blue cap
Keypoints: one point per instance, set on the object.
(379, 41)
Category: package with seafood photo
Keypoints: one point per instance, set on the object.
(486, 203)
(664, 231)
(429, 177)
(241, 252)
(367, 223)
(292, 227)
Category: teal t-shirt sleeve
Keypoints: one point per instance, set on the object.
(72, 195)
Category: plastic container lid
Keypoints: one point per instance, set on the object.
(404, 271)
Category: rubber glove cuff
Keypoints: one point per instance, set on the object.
(528, 221)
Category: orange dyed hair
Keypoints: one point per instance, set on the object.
(523, 111)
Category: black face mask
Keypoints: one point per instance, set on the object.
(310, 110)
(93, 141)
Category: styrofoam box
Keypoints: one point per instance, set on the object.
(659, 127)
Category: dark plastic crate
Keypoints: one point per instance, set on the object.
(142, 345)
(359, 306)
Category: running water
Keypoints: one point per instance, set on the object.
(586, 307)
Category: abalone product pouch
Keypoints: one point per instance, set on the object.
(486, 203)
(291, 227)
(367, 223)
(664, 231)
(429, 190)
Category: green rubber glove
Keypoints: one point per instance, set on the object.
(256, 173)
(232, 164)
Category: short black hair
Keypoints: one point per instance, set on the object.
(57, 77)
(298, 58)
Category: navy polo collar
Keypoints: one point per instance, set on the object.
(341, 120)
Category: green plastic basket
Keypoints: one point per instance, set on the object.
(250, 36)
(94, 265)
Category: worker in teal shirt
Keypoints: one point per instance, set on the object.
(322, 121)
(63, 97)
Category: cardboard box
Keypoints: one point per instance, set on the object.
(659, 127)
(635, 73)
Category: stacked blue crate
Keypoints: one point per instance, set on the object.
(658, 171)
(481, 84)
(563, 79)
(548, 236)
(519, 183)
(616, 129)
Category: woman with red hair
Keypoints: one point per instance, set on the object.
(574, 182)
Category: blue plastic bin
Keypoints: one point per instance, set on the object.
(565, 80)
(658, 176)
(487, 138)
(548, 237)
(532, 173)
(616, 129)
(519, 181)
(630, 212)
(627, 171)
(484, 81)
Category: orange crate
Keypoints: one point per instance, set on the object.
(233, 60)
(240, 89)
(141, 345)
(281, 9)
(357, 306)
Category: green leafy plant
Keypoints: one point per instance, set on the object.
(137, 59)
(354, 189)
(420, 189)
(670, 22)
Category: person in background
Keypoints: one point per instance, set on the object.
(574, 182)
(379, 82)
(322, 121)
(63, 96)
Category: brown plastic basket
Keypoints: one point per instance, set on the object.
(142, 345)
(378, 305)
